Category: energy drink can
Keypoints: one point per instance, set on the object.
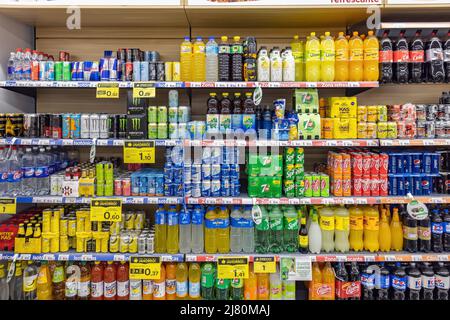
(184, 114)
(103, 125)
(173, 130)
(150, 244)
(43, 70)
(308, 185)
(315, 185)
(66, 71)
(144, 70)
(162, 130)
(152, 114)
(153, 131)
(162, 114)
(66, 134)
(173, 114)
(50, 70)
(84, 126)
(122, 126)
(152, 71)
(56, 125)
(58, 70)
(160, 71)
(113, 126)
(75, 125)
(113, 243)
(30, 125)
(176, 71)
(168, 70)
(94, 126)
(324, 185)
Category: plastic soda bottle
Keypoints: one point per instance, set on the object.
(276, 230)
(123, 283)
(109, 282)
(30, 275)
(250, 285)
(222, 289)
(288, 289)
(371, 229)
(248, 230)
(262, 232)
(342, 56)
(237, 289)
(197, 229)
(58, 282)
(199, 60)
(135, 289)
(172, 230)
(159, 285)
(396, 232)
(185, 231)
(298, 51)
(356, 46)
(327, 58)
(312, 58)
(186, 59)
(212, 61)
(182, 280)
(208, 281)
(342, 229)
(263, 286)
(356, 228)
(160, 230)
(85, 281)
(371, 47)
(385, 233)
(327, 227)
(147, 289)
(97, 281)
(328, 283)
(72, 281)
(223, 230)
(316, 282)
(236, 240)
(314, 233)
(210, 231)
(275, 285)
(194, 281)
(171, 281)
(224, 59)
(290, 231)
(44, 282)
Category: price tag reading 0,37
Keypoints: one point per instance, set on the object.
(139, 151)
(145, 268)
(7, 206)
(232, 267)
(106, 210)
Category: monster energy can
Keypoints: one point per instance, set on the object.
(122, 126)
(113, 126)
(103, 124)
(84, 126)
(153, 130)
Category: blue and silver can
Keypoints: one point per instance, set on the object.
(196, 189)
(206, 171)
(206, 188)
(215, 188)
(215, 171)
(196, 175)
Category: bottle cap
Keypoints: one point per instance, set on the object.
(296, 37)
(236, 38)
(313, 34)
(224, 38)
(355, 33)
(327, 33)
(187, 39)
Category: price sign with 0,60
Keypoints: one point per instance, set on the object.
(106, 210)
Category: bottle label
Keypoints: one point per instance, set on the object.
(172, 218)
(212, 50)
(356, 223)
(217, 223)
(224, 49)
(236, 49)
(276, 224)
(236, 121)
(384, 281)
(437, 228)
(97, 289)
(110, 289)
(241, 223)
(410, 233)
(207, 280)
(435, 55)
(15, 176)
(414, 283)
(264, 225)
(342, 223)
(371, 54)
(58, 275)
(313, 55)
(368, 280)
(222, 283)
(159, 290)
(160, 217)
(71, 289)
(424, 233)
(428, 282)
(446, 227)
(197, 217)
(182, 289)
(323, 291)
(398, 283)
(303, 241)
(29, 283)
(186, 49)
(171, 286)
(4, 177)
(442, 282)
(290, 223)
(83, 288)
(356, 55)
(249, 121)
(28, 172)
(327, 55)
(341, 54)
(346, 289)
(147, 287)
(371, 223)
(327, 223)
(135, 288)
(212, 122)
(199, 49)
(41, 172)
(123, 288)
(225, 122)
(416, 56)
(194, 289)
(185, 218)
(401, 56)
(386, 56)
(447, 55)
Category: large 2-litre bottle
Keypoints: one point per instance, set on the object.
(312, 58)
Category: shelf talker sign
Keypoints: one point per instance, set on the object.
(7, 206)
(264, 265)
(107, 90)
(106, 210)
(145, 268)
(232, 267)
(139, 152)
(143, 90)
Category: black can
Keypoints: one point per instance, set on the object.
(31, 125)
(152, 71)
(432, 112)
(13, 125)
(121, 54)
(122, 131)
(2, 124)
(44, 125)
(129, 55)
(439, 184)
(56, 126)
(113, 125)
(160, 71)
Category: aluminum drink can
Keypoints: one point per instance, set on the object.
(103, 126)
(84, 126)
(94, 126)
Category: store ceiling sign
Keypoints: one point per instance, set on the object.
(306, 3)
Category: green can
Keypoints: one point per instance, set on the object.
(299, 156)
(100, 172)
(289, 156)
(173, 114)
(152, 114)
(289, 188)
(109, 172)
(308, 185)
(153, 130)
(299, 188)
(289, 172)
(109, 189)
(162, 114)
(67, 71)
(324, 185)
(315, 185)
(100, 189)
(162, 130)
(58, 70)
(299, 170)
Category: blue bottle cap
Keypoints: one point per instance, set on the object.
(187, 39)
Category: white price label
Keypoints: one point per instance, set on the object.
(404, 142)
(63, 257)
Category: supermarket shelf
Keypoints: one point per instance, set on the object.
(79, 142)
(241, 84)
(73, 256)
(87, 200)
(414, 142)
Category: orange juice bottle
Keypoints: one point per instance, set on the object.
(328, 280)
(356, 228)
(371, 228)
(171, 281)
(316, 283)
(396, 232)
(159, 285)
(251, 286)
(341, 63)
(263, 286)
(356, 46)
(371, 47)
(44, 282)
(147, 289)
(385, 233)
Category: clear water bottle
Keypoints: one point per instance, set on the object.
(14, 173)
(28, 181)
(52, 160)
(41, 173)
(236, 241)
(212, 60)
(57, 156)
(197, 238)
(63, 158)
(12, 57)
(18, 64)
(3, 171)
(26, 65)
(185, 231)
(248, 230)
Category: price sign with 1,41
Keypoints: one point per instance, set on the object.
(106, 210)
(139, 152)
(144, 90)
(145, 268)
(7, 206)
(232, 267)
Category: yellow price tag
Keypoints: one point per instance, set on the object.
(107, 90)
(232, 267)
(145, 268)
(106, 210)
(139, 152)
(264, 265)
(7, 206)
(144, 90)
